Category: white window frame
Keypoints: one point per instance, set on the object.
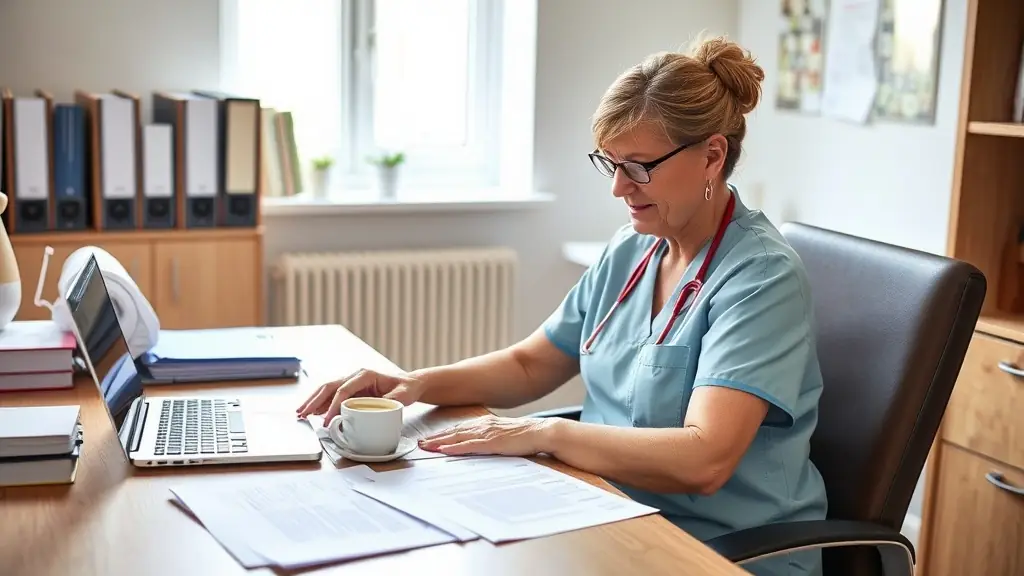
(478, 166)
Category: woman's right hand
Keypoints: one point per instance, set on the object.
(327, 398)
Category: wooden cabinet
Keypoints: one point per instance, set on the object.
(978, 526)
(973, 513)
(209, 288)
(193, 279)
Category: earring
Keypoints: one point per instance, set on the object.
(708, 191)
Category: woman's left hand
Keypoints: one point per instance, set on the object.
(492, 435)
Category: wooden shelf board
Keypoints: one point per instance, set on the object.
(94, 236)
(1009, 326)
(1008, 129)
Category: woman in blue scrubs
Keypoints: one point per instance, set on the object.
(693, 333)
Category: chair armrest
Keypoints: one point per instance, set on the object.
(742, 546)
(567, 412)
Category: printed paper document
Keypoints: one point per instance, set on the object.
(850, 78)
(499, 498)
(294, 520)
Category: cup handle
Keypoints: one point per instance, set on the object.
(334, 430)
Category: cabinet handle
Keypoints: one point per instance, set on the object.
(175, 285)
(1009, 368)
(996, 479)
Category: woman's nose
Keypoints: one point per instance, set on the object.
(622, 185)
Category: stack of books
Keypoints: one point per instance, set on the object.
(39, 445)
(35, 355)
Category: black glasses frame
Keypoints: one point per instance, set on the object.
(607, 167)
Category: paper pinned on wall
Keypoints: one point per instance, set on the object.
(851, 77)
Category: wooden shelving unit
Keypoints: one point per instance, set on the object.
(196, 278)
(1008, 129)
(970, 525)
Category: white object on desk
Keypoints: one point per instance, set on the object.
(499, 498)
(138, 320)
(583, 253)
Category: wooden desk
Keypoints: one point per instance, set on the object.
(118, 520)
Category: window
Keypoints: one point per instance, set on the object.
(362, 77)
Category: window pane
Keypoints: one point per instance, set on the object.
(288, 57)
(421, 73)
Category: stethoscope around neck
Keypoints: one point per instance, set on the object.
(689, 292)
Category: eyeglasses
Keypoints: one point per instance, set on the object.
(639, 172)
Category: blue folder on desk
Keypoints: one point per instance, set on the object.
(219, 354)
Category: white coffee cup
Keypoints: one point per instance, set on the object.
(369, 426)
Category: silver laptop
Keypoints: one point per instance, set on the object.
(174, 430)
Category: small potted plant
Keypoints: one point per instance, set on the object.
(387, 172)
(321, 175)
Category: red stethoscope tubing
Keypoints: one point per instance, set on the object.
(691, 288)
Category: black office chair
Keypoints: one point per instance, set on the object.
(893, 325)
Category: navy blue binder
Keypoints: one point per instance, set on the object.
(69, 167)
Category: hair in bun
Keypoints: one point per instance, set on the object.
(690, 95)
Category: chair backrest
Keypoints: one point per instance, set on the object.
(893, 325)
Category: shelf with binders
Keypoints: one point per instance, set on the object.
(93, 163)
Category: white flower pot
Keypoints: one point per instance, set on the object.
(321, 183)
(387, 182)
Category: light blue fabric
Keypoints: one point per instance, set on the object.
(749, 329)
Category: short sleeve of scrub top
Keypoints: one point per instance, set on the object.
(564, 328)
(758, 339)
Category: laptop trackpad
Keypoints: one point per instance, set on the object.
(272, 432)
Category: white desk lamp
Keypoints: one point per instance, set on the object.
(138, 321)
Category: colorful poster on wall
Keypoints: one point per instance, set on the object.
(907, 47)
(801, 61)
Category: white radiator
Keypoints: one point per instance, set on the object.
(417, 307)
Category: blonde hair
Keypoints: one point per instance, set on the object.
(689, 96)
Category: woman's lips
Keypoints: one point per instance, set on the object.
(637, 208)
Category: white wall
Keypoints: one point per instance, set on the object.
(143, 45)
(134, 45)
(889, 182)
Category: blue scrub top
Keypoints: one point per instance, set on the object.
(750, 329)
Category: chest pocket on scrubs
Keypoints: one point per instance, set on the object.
(661, 386)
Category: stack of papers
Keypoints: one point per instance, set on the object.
(220, 354)
(297, 520)
(300, 519)
(499, 498)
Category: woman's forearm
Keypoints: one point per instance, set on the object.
(495, 379)
(506, 378)
(667, 460)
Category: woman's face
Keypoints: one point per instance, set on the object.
(665, 205)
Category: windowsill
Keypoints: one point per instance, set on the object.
(349, 202)
(583, 253)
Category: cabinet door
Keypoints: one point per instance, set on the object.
(977, 527)
(208, 284)
(136, 257)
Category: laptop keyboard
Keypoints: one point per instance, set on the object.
(193, 426)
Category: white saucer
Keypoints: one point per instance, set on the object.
(405, 445)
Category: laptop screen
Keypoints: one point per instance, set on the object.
(105, 346)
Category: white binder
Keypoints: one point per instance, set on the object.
(158, 176)
(32, 178)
